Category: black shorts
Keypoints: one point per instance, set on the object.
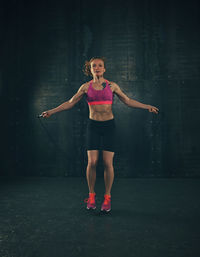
(100, 135)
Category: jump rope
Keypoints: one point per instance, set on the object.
(54, 142)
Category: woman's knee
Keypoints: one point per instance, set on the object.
(108, 159)
(93, 158)
(92, 162)
(108, 164)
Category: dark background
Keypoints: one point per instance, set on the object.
(153, 54)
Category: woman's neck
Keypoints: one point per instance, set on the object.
(98, 79)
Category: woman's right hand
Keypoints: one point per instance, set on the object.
(46, 114)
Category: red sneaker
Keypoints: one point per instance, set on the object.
(106, 205)
(91, 201)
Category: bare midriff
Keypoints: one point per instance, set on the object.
(101, 112)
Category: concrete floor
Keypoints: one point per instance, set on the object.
(47, 217)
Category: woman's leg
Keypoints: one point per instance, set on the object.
(108, 171)
(91, 169)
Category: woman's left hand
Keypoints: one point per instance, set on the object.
(153, 109)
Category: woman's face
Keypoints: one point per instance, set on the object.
(97, 67)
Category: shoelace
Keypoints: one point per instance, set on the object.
(91, 199)
(106, 199)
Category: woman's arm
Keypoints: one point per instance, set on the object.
(68, 104)
(130, 102)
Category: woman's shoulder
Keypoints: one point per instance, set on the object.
(84, 87)
(112, 84)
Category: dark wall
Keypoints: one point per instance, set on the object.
(153, 53)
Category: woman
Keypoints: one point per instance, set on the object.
(101, 125)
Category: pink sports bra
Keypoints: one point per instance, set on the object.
(104, 96)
